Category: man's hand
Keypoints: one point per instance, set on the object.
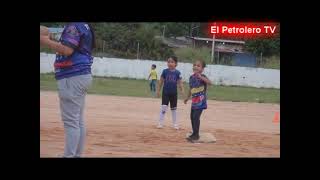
(56, 46)
(44, 31)
(44, 39)
(185, 101)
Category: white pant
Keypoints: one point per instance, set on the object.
(72, 92)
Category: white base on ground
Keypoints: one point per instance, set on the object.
(205, 137)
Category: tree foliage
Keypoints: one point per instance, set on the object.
(122, 39)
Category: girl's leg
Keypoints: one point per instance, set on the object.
(192, 120)
(197, 115)
(150, 84)
(163, 109)
(173, 105)
(153, 87)
(174, 118)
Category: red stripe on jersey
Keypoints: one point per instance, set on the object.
(63, 64)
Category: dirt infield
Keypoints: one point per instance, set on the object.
(125, 127)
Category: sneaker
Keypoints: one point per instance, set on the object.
(60, 156)
(191, 134)
(193, 138)
(160, 126)
(176, 126)
(189, 139)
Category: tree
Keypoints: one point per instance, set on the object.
(267, 47)
(122, 39)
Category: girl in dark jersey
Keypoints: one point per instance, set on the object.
(170, 78)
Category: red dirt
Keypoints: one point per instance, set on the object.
(125, 127)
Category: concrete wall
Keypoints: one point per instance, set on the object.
(139, 69)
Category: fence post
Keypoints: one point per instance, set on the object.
(138, 51)
(212, 51)
(103, 46)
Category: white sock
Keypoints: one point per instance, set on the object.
(163, 110)
(174, 117)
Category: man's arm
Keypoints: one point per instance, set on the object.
(56, 46)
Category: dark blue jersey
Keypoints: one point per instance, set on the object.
(171, 78)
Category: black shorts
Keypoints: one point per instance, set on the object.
(172, 98)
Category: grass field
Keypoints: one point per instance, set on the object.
(140, 88)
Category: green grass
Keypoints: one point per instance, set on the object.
(140, 88)
(45, 49)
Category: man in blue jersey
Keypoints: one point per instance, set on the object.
(73, 74)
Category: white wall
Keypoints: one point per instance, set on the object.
(139, 69)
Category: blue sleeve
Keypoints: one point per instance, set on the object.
(179, 75)
(71, 36)
(163, 75)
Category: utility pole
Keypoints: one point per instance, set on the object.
(164, 29)
(138, 51)
(212, 51)
(194, 42)
(103, 46)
